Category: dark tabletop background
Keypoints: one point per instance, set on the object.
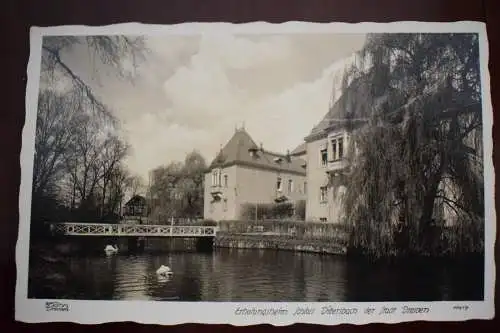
(18, 16)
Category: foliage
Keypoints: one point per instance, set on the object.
(296, 229)
(300, 209)
(177, 189)
(420, 151)
(267, 211)
(208, 223)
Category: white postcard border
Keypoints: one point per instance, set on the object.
(151, 312)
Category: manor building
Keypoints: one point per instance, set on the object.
(245, 173)
(317, 171)
(330, 150)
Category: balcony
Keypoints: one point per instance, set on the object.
(216, 192)
(280, 197)
(337, 165)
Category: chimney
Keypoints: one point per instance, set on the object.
(261, 147)
(288, 158)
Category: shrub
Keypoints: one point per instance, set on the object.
(208, 223)
(300, 210)
(267, 211)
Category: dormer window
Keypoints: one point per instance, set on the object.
(216, 177)
(337, 148)
(253, 152)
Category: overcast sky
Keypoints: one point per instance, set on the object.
(192, 91)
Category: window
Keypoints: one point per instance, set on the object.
(340, 142)
(323, 193)
(225, 180)
(334, 150)
(305, 187)
(324, 157)
(322, 219)
(337, 149)
(290, 186)
(278, 184)
(225, 205)
(216, 177)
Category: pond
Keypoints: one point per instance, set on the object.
(257, 275)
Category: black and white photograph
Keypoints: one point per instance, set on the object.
(302, 175)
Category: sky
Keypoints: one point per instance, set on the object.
(192, 91)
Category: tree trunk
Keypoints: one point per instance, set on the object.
(103, 200)
(423, 229)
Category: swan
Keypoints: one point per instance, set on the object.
(111, 249)
(164, 278)
(164, 271)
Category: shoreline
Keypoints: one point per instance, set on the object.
(335, 247)
(280, 242)
(63, 247)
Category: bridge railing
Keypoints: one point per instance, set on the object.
(102, 229)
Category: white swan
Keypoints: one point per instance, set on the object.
(164, 271)
(109, 249)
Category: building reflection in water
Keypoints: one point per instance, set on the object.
(253, 275)
(240, 275)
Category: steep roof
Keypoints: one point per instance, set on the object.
(350, 109)
(242, 150)
(136, 200)
(299, 150)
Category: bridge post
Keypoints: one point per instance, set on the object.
(204, 244)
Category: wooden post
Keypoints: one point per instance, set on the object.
(171, 226)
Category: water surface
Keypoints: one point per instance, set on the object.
(261, 275)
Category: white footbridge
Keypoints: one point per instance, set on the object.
(139, 230)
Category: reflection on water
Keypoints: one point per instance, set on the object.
(264, 275)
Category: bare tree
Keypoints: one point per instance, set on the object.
(83, 161)
(54, 132)
(112, 153)
(114, 52)
(76, 145)
(136, 185)
(118, 185)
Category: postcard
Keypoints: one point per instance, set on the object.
(253, 173)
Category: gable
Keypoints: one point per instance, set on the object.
(242, 150)
(136, 200)
(349, 111)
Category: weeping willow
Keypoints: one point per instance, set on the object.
(416, 180)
